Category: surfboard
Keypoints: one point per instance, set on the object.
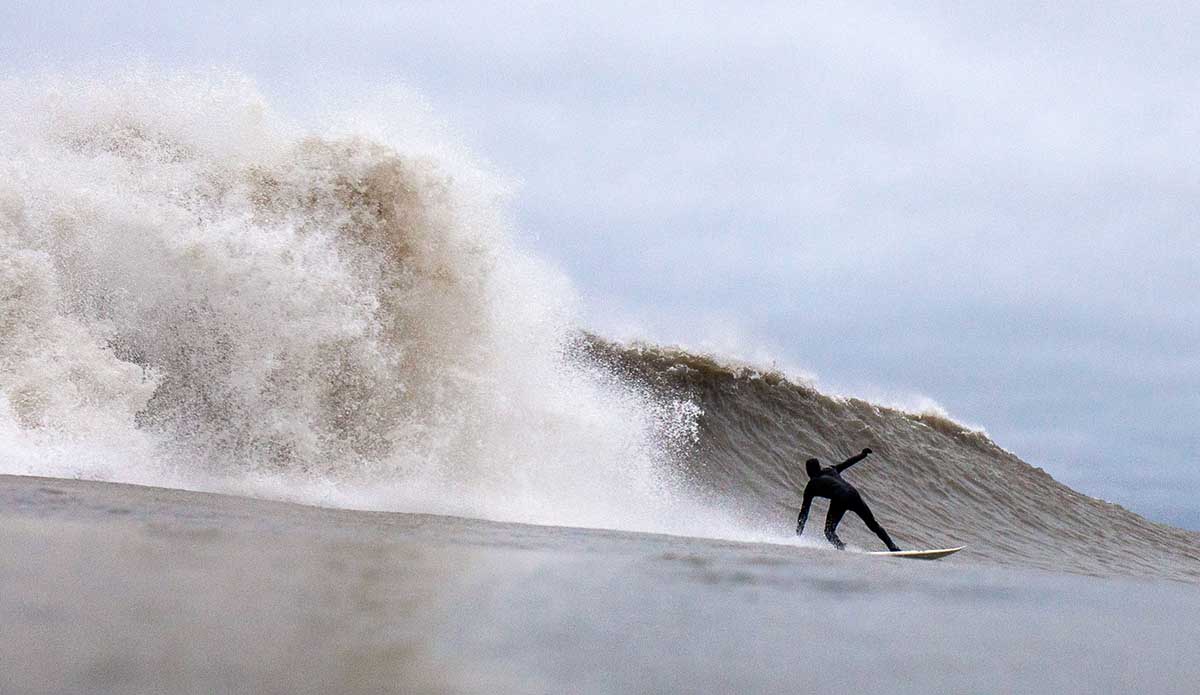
(920, 554)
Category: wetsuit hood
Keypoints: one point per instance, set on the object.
(813, 467)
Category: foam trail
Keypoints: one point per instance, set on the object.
(198, 293)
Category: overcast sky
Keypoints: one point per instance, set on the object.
(993, 205)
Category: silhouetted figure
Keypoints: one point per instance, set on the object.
(828, 482)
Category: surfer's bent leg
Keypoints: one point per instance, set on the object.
(868, 518)
(837, 509)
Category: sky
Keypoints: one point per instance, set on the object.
(992, 206)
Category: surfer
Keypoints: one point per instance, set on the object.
(828, 482)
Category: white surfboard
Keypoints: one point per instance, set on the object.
(920, 554)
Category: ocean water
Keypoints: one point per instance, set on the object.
(200, 293)
(197, 293)
(127, 589)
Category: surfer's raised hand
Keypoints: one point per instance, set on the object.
(852, 460)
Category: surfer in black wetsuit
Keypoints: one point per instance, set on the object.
(828, 482)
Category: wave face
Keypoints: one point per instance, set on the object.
(198, 293)
(931, 483)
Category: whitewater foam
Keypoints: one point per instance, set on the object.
(199, 293)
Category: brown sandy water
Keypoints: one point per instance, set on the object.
(932, 482)
(196, 295)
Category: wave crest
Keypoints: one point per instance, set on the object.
(258, 303)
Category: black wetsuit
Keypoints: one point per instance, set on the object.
(828, 482)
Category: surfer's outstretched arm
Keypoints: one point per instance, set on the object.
(804, 512)
(852, 460)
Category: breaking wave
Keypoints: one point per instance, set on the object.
(196, 292)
